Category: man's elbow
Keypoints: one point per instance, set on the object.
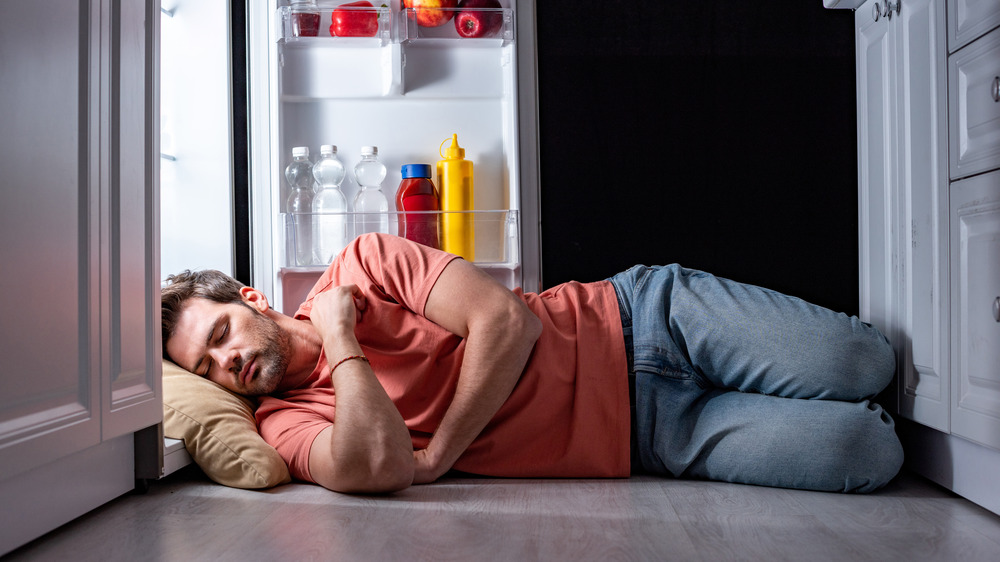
(378, 470)
(525, 323)
(382, 477)
(395, 474)
(532, 327)
(388, 480)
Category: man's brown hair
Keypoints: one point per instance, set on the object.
(206, 284)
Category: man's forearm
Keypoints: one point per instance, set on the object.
(496, 351)
(368, 447)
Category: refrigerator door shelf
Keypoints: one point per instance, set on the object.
(409, 30)
(286, 29)
(436, 69)
(426, 69)
(497, 242)
(296, 282)
(321, 70)
(497, 232)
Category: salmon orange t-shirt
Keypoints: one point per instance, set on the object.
(568, 415)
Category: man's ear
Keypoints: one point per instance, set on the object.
(255, 299)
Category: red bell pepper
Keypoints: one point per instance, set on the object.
(355, 19)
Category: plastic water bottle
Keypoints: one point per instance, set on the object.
(299, 176)
(370, 203)
(328, 205)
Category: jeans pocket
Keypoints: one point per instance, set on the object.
(664, 362)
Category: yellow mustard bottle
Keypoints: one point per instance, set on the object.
(454, 174)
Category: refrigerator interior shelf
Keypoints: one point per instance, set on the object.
(316, 68)
(496, 232)
(498, 26)
(290, 29)
(426, 62)
(497, 243)
(296, 282)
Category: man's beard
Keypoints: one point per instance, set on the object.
(271, 360)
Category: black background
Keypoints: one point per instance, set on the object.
(718, 135)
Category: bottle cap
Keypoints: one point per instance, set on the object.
(300, 151)
(369, 150)
(453, 152)
(328, 149)
(416, 171)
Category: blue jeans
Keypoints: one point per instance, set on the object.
(738, 383)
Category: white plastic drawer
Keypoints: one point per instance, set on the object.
(970, 19)
(974, 107)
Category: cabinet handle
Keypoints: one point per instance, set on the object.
(886, 9)
(890, 7)
(995, 90)
(996, 309)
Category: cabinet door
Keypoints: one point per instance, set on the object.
(875, 60)
(131, 399)
(921, 168)
(976, 309)
(78, 337)
(50, 359)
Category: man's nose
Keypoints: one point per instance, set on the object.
(227, 358)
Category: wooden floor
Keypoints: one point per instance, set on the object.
(185, 517)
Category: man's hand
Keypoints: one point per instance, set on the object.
(426, 469)
(338, 310)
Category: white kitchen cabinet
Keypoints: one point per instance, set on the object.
(903, 195)
(928, 114)
(969, 19)
(975, 251)
(78, 213)
(974, 91)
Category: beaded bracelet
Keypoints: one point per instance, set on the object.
(361, 357)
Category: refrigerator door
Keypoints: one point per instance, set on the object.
(406, 90)
(194, 139)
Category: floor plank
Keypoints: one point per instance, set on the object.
(186, 517)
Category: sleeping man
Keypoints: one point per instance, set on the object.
(405, 362)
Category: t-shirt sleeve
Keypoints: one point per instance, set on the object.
(402, 270)
(292, 426)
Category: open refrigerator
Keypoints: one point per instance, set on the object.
(405, 90)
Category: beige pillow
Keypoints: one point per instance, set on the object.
(219, 431)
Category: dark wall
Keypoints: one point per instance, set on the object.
(719, 135)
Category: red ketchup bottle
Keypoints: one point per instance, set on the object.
(416, 196)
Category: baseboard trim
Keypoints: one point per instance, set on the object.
(966, 468)
(54, 494)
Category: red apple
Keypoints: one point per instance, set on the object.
(477, 22)
(432, 13)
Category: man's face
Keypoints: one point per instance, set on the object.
(231, 344)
